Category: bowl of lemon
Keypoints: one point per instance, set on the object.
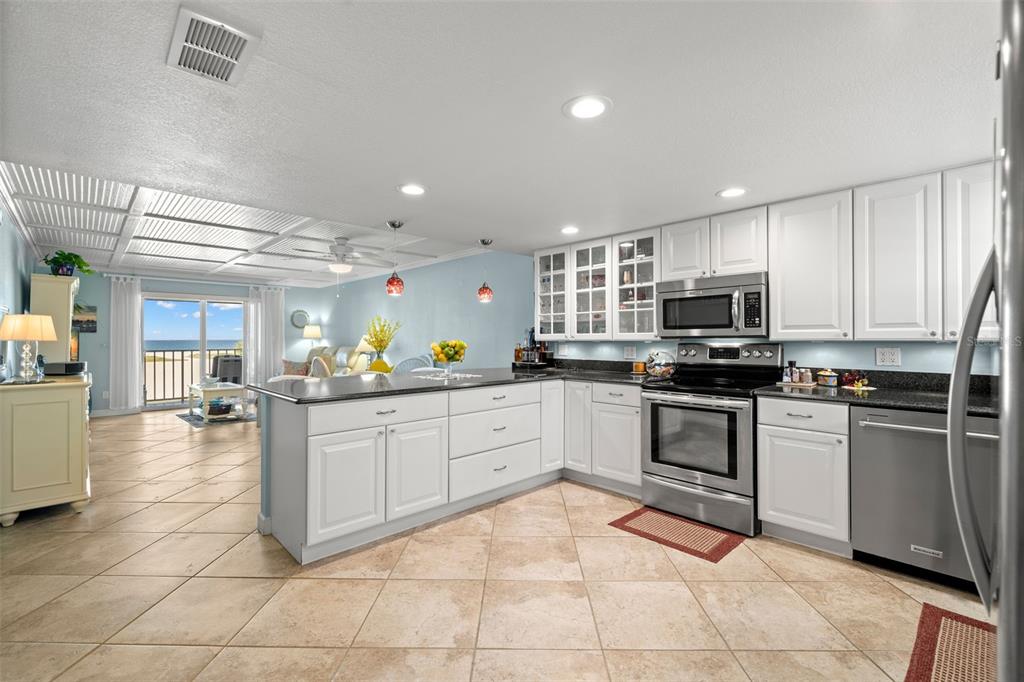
(448, 352)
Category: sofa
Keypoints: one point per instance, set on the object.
(337, 361)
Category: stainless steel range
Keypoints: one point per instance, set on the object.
(698, 433)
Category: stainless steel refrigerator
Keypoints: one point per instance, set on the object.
(999, 571)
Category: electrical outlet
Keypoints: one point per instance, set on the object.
(106, 394)
(563, 350)
(887, 357)
(629, 352)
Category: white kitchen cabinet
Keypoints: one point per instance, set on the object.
(897, 240)
(577, 426)
(590, 263)
(552, 287)
(810, 268)
(345, 483)
(615, 438)
(417, 467)
(804, 480)
(968, 230)
(686, 250)
(739, 242)
(636, 268)
(552, 425)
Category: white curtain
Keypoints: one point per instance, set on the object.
(125, 343)
(264, 334)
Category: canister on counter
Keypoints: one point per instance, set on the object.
(827, 377)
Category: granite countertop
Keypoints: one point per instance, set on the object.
(363, 386)
(979, 404)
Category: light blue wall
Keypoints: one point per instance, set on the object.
(16, 260)
(319, 303)
(440, 303)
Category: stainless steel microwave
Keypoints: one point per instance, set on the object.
(730, 305)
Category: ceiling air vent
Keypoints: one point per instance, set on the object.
(209, 48)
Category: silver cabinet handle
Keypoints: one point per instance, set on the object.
(499, 428)
(498, 397)
(502, 467)
(924, 429)
(932, 333)
(801, 416)
(615, 395)
(380, 434)
(735, 309)
(952, 332)
(381, 413)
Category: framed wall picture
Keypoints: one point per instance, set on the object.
(83, 320)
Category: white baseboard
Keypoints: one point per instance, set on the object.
(94, 414)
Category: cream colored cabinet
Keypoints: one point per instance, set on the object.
(968, 231)
(55, 296)
(552, 425)
(615, 437)
(552, 287)
(686, 250)
(346, 483)
(739, 242)
(417, 467)
(636, 268)
(810, 268)
(897, 242)
(44, 446)
(590, 265)
(577, 426)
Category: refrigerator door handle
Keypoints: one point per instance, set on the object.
(978, 557)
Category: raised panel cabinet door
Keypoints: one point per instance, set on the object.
(552, 288)
(897, 243)
(686, 250)
(417, 467)
(810, 268)
(739, 241)
(345, 483)
(552, 425)
(592, 284)
(636, 267)
(616, 442)
(577, 426)
(804, 481)
(969, 221)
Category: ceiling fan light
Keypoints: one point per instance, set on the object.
(394, 286)
(485, 294)
(340, 268)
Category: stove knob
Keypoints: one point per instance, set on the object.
(692, 352)
(769, 354)
(745, 353)
(757, 353)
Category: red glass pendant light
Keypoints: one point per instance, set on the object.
(394, 286)
(485, 294)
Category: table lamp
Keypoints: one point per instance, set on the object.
(29, 329)
(311, 331)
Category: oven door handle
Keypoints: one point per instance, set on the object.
(736, 310)
(701, 402)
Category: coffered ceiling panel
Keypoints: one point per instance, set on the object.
(170, 204)
(157, 228)
(182, 250)
(54, 237)
(72, 217)
(70, 187)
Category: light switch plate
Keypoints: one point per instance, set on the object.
(629, 352)
(887, 357)
(563, 350)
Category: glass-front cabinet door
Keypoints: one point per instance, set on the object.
(551, 269)
(591, 281)
(636, 268)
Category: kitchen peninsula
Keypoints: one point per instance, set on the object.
(348, 460)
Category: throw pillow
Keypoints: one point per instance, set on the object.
(295, 368)
(318, 368)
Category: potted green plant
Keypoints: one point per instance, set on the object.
(63, 263)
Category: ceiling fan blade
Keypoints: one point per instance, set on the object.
(373, 262)
(319, 253)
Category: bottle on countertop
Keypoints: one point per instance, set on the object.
(792, 372)
(806, 377)
(519, 352)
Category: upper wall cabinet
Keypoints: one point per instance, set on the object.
(739, 242)
(969, 198)
(686, 250)
(590, 263)
(636, 268)
(810, 268)
(551, 269)
(897, 238)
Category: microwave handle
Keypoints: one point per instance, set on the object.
(736, 310)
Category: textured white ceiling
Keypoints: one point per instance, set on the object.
(344, 101)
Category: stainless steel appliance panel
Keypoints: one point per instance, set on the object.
(734, 305)
(725, 510)
(901, 500)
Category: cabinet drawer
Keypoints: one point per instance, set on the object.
(803, 414)
(493, 397)
(489, 470)
(482, 431)
(360, 414)
(616, 394)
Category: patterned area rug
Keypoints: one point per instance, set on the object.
(197, 421)
(707, 542)
(952, 648)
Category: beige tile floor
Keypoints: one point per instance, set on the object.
(162, 577)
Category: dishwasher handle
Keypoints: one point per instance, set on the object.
(924, 429)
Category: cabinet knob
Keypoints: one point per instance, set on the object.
(380, 434)
(839, 440)
(846, 334)
(703, 272)
(952, 333)
(713, 271)
(932, 333)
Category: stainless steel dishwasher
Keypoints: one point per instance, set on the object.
(901, 500)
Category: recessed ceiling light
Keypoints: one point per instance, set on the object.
(731, 192)
(587, 106)
(412, 189)
(570, 229)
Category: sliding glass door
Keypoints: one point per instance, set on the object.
(181, 338)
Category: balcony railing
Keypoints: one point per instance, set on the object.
(168, 373)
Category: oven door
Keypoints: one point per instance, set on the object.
(699, 439)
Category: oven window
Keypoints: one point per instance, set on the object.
(697, 312)
(695, 439)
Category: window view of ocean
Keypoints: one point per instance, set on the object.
(190, 344)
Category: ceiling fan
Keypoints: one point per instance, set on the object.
(343, 254)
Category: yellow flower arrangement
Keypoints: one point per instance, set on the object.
(379, 334)
(453, 350)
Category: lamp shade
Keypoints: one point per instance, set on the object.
(27, 328)
(311, 331)
(364, 346)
